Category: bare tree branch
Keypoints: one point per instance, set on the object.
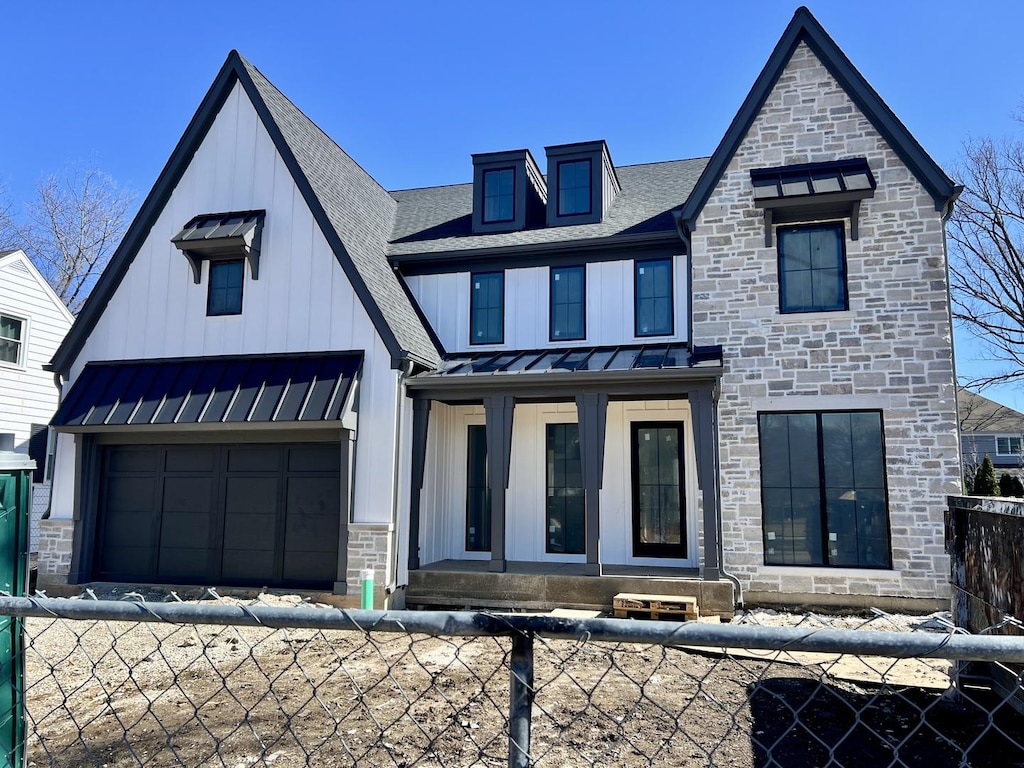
(73, 227)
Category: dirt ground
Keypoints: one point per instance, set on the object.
(118, 694)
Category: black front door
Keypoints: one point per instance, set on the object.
(659, 521)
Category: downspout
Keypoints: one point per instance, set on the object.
(684, 230)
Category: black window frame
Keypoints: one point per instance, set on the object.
(823, 500)
(840, 229)
(582, 268)
(240, 263)
(1009, 444)
(678, 551)
(480, 430)
(472, 307)
(573, 491)
(483, 195)
(590, 187)
(637, 264)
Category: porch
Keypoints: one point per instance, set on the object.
(542, 586)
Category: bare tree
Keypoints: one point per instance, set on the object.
(10, 238)
(986, 235)
(72, 228)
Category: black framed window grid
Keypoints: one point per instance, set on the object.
(565, 521)
(224, 296)
(812, 268)
(568, 305)
(12, 339)
(487, 308)
(574, 188)
(654, 314)
(659, 508)
(824, 495)
(499, 195)
(478, 494)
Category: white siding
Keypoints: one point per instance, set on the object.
(444, 299)
(443, 503)
(301, 302)
(28, 394)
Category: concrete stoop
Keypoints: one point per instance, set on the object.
(544, 592)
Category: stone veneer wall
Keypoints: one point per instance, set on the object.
(369, 546)
(892, 350)
(55, 541)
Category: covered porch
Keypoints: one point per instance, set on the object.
(574, 464)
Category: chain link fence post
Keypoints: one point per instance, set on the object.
(521, 694)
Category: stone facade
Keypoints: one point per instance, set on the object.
(370, 545)
(891, 351)
(55, 544)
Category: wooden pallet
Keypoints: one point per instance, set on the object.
(673, 607)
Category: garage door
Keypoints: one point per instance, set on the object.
(246, 515)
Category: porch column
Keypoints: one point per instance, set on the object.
(420, 420)
(498, 411)
(592, 414)
(703, 406)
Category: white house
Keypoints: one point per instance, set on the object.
(702, 376)
(33, 323)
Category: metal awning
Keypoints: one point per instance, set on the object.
(211, 390)
(561, 370)
(216, 236)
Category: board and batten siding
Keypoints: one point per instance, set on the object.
(28, 394)
(445, 298)
(301, 302)
(443, 501)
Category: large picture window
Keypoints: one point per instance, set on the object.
(812, 269)
(487, 308)
(566, 517)
(568, 303)
(823, 489)
(653, 288)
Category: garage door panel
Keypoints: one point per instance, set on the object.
(130, 494)
(254, 459)
(313, 496)
(132, 460)
(185, 564)
(314, 458)
(191, 459)
(253, 532)
(188, 494)
(251, 496)
(310, 567)
(127, 563)
(184, 529)
(247, 566)
(131, 529)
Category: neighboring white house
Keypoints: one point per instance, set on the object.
(33, 323)
(529, 389)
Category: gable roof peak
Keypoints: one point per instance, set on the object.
(805, 28)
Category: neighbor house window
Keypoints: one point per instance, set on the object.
(574, 188)
(499, 195)
(487, 308)
(1008, 446)
(653, 289)
(12, 339)
(478, 495)
(823, 489)
(812, 269)
(225, 296)
(568, 303)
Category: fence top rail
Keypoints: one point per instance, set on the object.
(938, 645)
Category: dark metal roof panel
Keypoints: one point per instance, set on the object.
(266, 388)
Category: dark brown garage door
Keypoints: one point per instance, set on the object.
(247, 515)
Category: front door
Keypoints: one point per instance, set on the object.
(659, 528)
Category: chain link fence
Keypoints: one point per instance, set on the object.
(276, 682)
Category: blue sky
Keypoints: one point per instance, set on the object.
(410, 90)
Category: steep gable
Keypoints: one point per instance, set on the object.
(805, 29)
(354, 213)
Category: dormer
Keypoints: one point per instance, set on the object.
(582, 183)
(508, 192)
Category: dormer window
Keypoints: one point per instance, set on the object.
(508, 192)
(583, 183)
(499, 195)
(574, 181)
(218, 237)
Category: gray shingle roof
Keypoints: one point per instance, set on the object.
(979, 414)
(438, 219)
(360, 210)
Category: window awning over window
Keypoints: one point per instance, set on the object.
(219, 236)
(211, 390)
(813, 191)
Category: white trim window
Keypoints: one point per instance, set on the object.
(1008, 445)
(12, 340)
